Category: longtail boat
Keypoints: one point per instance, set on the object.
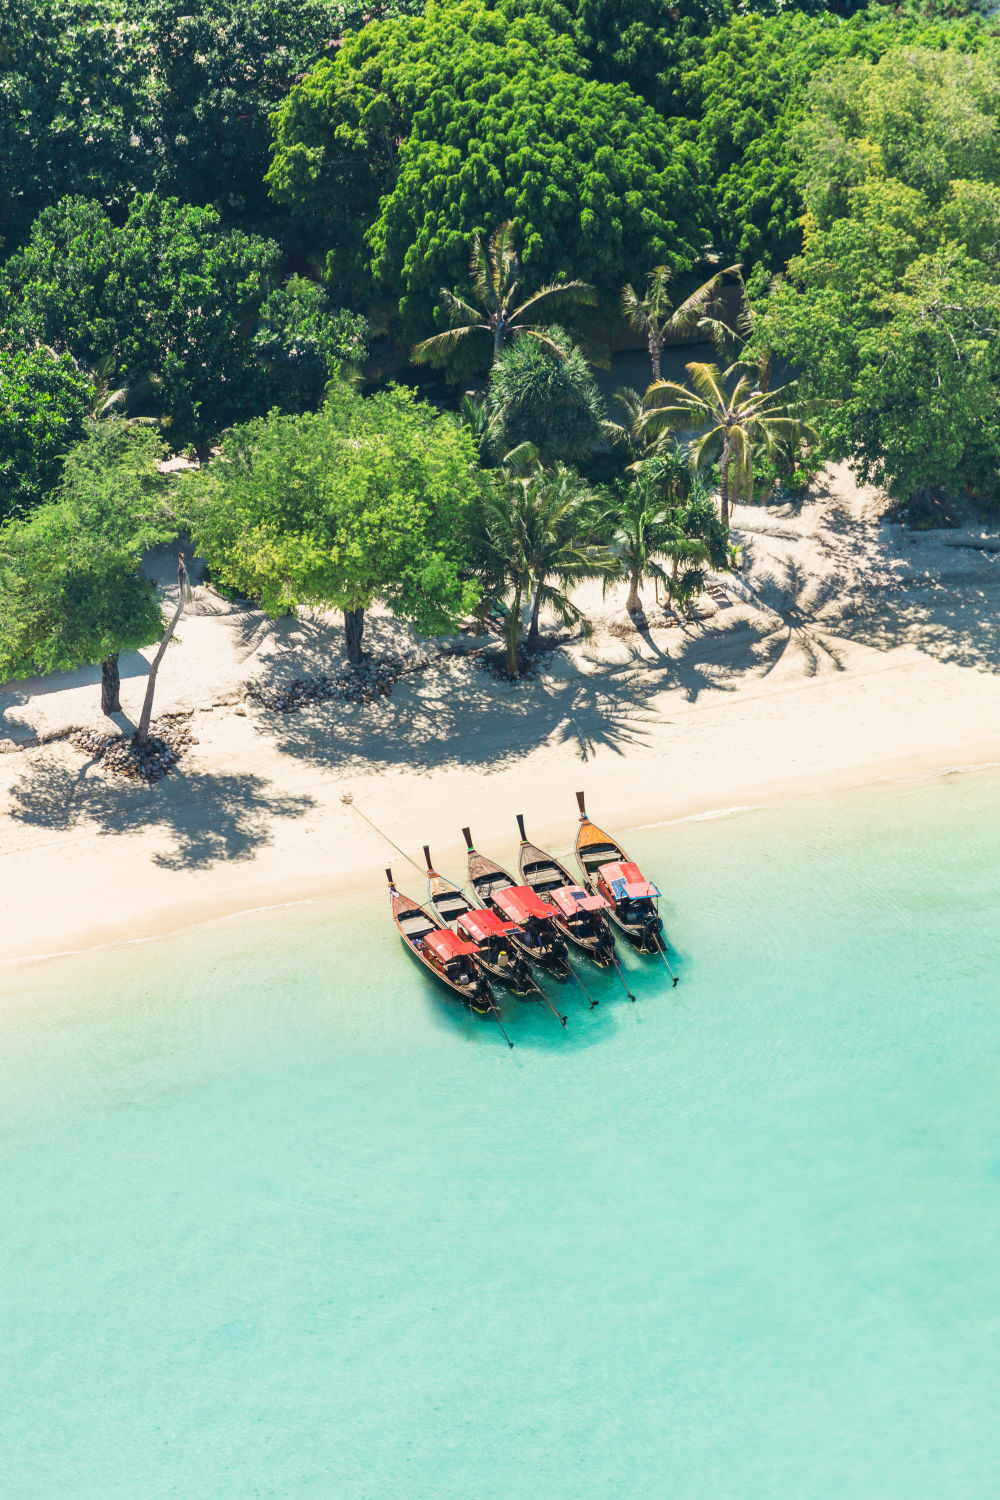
(607, 871)
(580, 914)
(534, 930)
(492, 935)
(449, 958)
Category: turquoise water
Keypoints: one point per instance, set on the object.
(277, 1223)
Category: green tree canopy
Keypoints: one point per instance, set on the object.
(304, 342)
(368, 498)
(70, 589)
(43, 403)
(544, 394)
(422, 131)
(892, 310)
(169, 295)
(105, 98)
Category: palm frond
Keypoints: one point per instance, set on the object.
(440, 345)
(707, 381)
(556, 292)
(461, 312)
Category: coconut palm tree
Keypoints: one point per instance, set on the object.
(495, 270)
(655, 316)
(730, 422)
(696, 544)
(638, 523)
(655, 522)
(538, 530)
(641, 445)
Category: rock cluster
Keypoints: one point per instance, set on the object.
(528, 665)
(361, 685)
(119, 754)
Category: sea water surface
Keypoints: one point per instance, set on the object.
(278, 1222)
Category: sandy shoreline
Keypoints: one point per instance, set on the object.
(164, 921)
(863, 653)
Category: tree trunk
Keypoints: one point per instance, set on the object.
(655, 350)
(533, 617)
(512, 633)
(354, 624)
(724, 484)
(183, 591)
(110, 685)
(142, 733)
(634, 603)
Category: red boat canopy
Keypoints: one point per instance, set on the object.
(481, 925)
(627, 882)
(445, 946)
(519, 902)
(571, 899)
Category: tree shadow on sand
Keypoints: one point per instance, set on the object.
(205, 817)
(884, 587)
(457, 714)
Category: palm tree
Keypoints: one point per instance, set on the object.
(495, 271)
(655, 315)
(697, 543)
(654, 522)
(537, 530)
(731, 423)
(638, 523)
(642, 446)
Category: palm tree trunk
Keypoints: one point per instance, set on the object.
(749, 476)
(111, 702)
(633, 603)
(354, 624)
(533, 616)
(512, 633)
(655, 350)
(727, 454)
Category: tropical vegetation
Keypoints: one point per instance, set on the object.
(243, 231)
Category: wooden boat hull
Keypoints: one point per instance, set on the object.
(594, 847)
(450, 902)
(481, 1002)
(599, 947)
(486, 877)
(476, 993)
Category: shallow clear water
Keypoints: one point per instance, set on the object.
(278, 1223)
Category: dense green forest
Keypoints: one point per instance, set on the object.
(237, 222)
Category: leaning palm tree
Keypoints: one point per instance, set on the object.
(730, 423)
(538, 528)
(654, 315)
(495, 270)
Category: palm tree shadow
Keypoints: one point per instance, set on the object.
(204, 818)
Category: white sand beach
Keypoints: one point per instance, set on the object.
(860, 650)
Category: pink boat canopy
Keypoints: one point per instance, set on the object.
(445, 945)
(626, 882)
(519, 902)
(572, 899)
(482, 925)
